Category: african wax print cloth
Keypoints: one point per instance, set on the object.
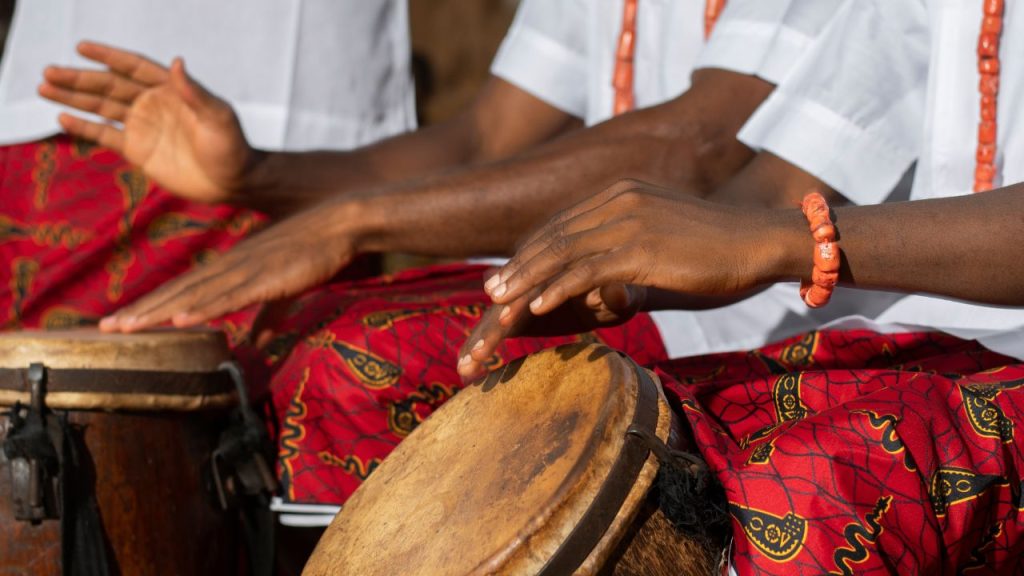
(853, 452)
(355, 365)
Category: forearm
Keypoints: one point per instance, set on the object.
(964, 247)
(688, 143)
(502, 121)
(281, 183)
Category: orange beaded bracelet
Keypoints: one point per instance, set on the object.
(818, 291)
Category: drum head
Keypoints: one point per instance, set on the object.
(160, 350)
(87, 369)
(497, 478)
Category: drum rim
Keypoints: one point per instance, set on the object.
(163, 350)
(104, 389)
(613, 495)
(512, 560)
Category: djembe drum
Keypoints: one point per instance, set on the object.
(548, 467)
(106, 444)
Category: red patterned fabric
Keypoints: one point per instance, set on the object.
(367, 361)
(355, 366)
(83, 233)
(852, 452)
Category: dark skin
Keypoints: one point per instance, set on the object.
(601, 258)
(688, 143)
(190, 140)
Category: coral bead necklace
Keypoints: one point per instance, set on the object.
(622, 80)
(988, 86)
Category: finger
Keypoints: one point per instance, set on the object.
(101, 83)
(169, 290)
(580, 279)
(591, 205)
(556, 257)
(105, 107)
(130, 64)
(553, 235)
(481, 344)
(215, 302)
(136, 316)
(103, 134)
(203, 299)
(198, 98)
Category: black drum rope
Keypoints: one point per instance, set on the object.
(689, 495)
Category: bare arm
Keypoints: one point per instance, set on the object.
(190, 141)
(502, 121)
(688, 143)
(643, 236)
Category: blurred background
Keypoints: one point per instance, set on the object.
(453, 42)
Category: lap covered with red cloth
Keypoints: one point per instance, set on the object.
(852, 452)
(354, 366)
(83, 233)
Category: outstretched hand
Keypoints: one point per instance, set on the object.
(182, 136)
(283, 261)
(631, 235)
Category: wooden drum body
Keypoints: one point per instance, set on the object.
(147, 411)
(542, 469)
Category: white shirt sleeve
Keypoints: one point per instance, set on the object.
(851, 110)
(765, 37)
(544, 53)
(308, 74)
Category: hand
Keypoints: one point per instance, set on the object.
(639, 235)
(182, 136)
(282, 261)
(605, 306)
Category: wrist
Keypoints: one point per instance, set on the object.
(784, 249)
(362, 221)
(259, 174)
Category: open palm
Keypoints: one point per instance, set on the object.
(182, 136)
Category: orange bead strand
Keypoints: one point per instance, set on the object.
(622, 79)
(827, 255)
(712, 10)
(988, 87)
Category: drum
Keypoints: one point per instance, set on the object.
(548, 467)
(106, 448)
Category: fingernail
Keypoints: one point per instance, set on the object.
(491, 283)
(479, 344)
(108, 322)
(500, 290)
(505, 313)
(464, 360)
(537, 303)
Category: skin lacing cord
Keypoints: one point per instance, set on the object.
(688, 493)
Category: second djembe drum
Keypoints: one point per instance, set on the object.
(106, 453)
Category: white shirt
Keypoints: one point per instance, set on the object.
(301, 74)
(563, 52)
(895, 81)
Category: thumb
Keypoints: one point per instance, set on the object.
(617, 297)
(198, 98)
